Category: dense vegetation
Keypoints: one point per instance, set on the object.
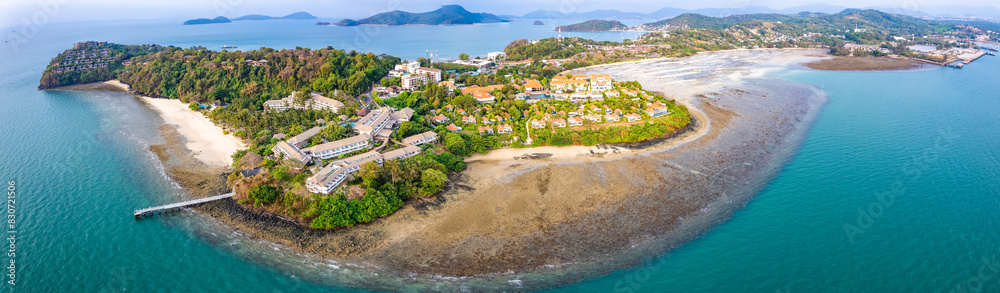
(448, 14)
(872, 25)
(595, 25)
(204, 76)
(550, 48)
(53, 77)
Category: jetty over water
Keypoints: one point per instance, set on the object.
(159, 210)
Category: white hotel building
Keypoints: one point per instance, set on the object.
(336, 148)
(326, 179)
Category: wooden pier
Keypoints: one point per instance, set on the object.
(159, 210)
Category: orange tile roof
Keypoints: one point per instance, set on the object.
(533, 84)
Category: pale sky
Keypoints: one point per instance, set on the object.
(16, 12)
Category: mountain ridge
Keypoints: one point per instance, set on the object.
(446, 15)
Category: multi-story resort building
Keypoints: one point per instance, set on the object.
(284, 149)
(354, 163)
(601, 82)
(373, 123)
(336, 148)
(402, 153)
(419, 76)
(419, 139)
(316, 102)
(326, 179)
(302, 139)
(564, 85)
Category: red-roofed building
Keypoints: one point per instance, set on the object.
(504, 128)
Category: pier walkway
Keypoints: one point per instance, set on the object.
(158, 210)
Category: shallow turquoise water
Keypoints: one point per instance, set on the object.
(931, 135)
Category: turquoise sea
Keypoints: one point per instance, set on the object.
(895, 189)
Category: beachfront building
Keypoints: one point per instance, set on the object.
(286, 150)
(336, 148)
(279, 105)
(632, 117)
(374, 122)
(419, 139)
(453, 128)
(533, 86)
(568, 85)
(320, 102)
(485, 129)
(504, 128)
(326, 179)
(601, 82)
(656, 110)
(575, 121)
(402, 153)
(354, 163)
(316, 101)
(302, 139)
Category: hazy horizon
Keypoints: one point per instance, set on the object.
(18, 13)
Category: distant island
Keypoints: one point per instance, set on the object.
(322, 23)
(595, 25)
(538, 22)
(221, 19)
(448, 14)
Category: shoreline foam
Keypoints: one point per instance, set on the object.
(207, 141)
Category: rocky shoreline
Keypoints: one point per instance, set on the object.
(839, 63)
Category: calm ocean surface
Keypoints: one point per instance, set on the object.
(896, 188)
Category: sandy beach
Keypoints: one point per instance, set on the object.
(207, 142)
